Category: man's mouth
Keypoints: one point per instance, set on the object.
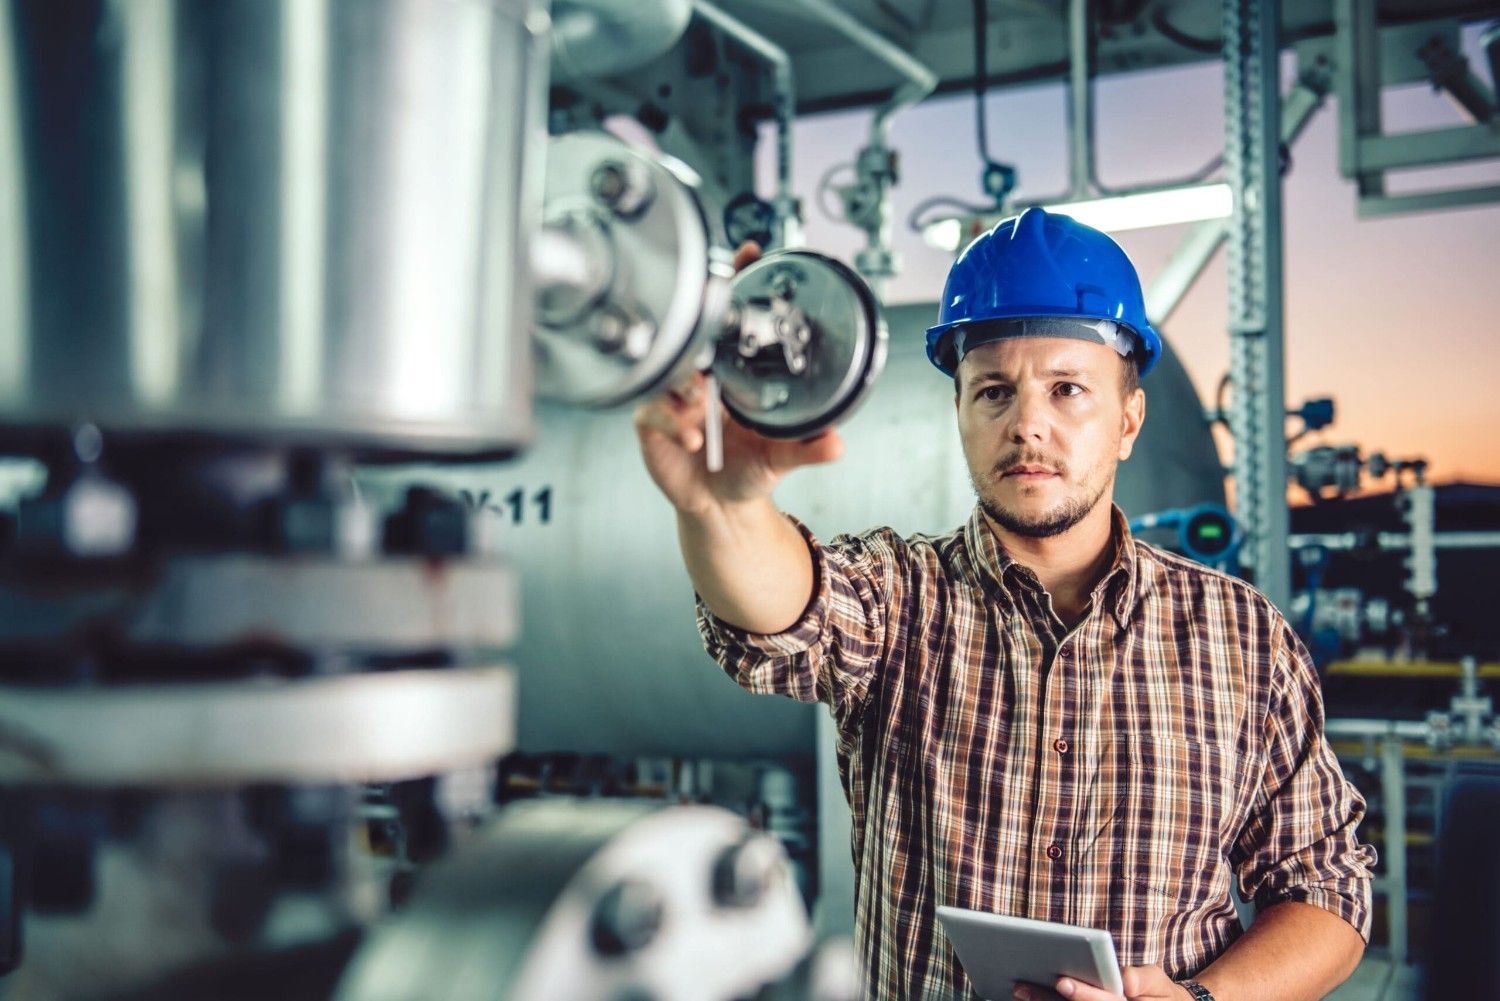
(1029, 472)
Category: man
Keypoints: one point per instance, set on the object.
(1037, 714)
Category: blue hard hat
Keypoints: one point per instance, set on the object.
(1038, 275)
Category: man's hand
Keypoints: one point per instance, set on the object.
(1142, 983)
(670, 428)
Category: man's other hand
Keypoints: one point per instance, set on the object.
(1142, 983)
(671, 433)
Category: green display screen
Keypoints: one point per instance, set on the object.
(1211, 531)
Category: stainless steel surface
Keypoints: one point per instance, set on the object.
(609, 658)
(358, 728)
(823, 347)
(646, 287)
(600, 38)
(270, 220)
(389, 605)
(589, 901)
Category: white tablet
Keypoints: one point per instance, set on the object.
(996, 951)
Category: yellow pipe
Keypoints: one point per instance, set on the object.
(1373, 668)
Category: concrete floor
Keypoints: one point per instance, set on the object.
(1373, 982)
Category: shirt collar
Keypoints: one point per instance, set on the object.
(1118, 586)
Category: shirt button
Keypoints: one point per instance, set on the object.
(1054, 853)
(1065, 653)
(1060, 746)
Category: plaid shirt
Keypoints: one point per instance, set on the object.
(1113, 775)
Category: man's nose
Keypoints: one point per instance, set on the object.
(1028, 418)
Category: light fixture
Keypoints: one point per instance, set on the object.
(1139, 210)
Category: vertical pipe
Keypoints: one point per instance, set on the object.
(147, 122)
(1252, 154)
(304, 173)
(833, 915)
(15, 310)
(788, 223)
(1080, 102)
(1393, 792)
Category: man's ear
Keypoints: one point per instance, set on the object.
(1131, 419)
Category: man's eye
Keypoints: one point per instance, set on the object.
(994, 394)
(1069, 389)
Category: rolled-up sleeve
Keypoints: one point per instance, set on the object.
(833, 652)
(1302, 842)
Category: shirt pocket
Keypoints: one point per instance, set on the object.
(1166, 832)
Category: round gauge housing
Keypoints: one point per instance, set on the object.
(829, 346)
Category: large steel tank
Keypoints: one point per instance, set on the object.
(284, 220)
(609, 657)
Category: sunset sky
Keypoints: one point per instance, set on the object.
(1397, 318)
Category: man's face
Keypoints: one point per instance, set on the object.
(1044, 421)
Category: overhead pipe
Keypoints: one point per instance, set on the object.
(784, 105)
(876, 164)
(603, 38)
(1081, 179)
(1489, 40)
(1449, 71)
(920, 81)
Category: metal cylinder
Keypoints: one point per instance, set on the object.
(609, 660)
(283, 221)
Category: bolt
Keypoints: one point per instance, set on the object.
(626, 918)
(745, 871)
(623, 188)
(608, 183)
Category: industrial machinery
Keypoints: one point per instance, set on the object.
(242, 706)
(301, 591)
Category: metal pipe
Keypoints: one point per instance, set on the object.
(1343, 541)
(1448, 69)
(1393, 792)
(920, 81)
(1080, 103)
(788, 221)
(876, 164)
(601, 38)
(1489, 40)
(1378, 728)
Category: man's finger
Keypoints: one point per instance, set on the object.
(746, 254)
(680, 428)
(1077, 990)
(787, 455)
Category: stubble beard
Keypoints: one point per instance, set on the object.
(1045, 525)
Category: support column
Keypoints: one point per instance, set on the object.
(1252, 167)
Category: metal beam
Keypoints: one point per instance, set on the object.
(1429, 201)
(1252, 167)
(1430, 148)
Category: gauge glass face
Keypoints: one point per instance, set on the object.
(823, 344)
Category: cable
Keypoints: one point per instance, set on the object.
(981, 76)
(1174, 34)
(914, 218)
(822, 191)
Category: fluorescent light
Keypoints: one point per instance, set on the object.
(943, 234)
(1152, 208)
(1166, 207)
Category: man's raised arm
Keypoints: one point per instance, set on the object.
(749, 564)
